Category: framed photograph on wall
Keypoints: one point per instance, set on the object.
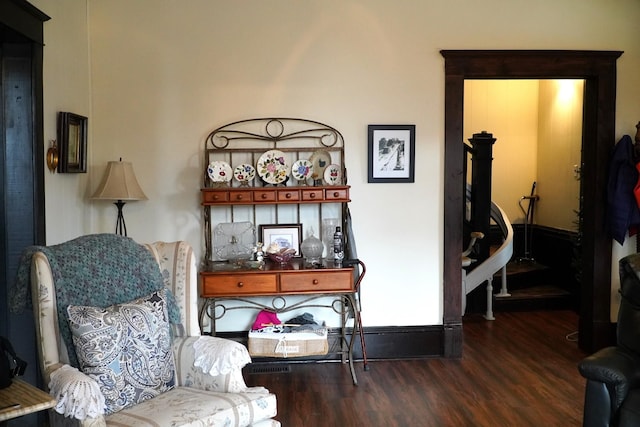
(285, 235)
(72, 137)
(392, 153)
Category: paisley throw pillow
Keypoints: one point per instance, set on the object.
(126, 348)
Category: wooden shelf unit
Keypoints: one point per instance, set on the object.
(243, 142)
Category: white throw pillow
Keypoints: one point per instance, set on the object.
(126, 348)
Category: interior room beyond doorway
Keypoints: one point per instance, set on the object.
(538, 129)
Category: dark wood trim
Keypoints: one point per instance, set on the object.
(598, 69)
(383, 343)
(23, 18)
(453, 202)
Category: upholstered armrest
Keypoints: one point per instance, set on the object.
(619, 370)
(211, 363)
(78, 395)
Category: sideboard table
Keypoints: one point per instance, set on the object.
(280, 281)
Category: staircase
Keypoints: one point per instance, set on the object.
(532, 286)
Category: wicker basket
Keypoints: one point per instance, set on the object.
(292, 344)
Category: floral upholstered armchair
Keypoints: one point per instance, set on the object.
(119, 341)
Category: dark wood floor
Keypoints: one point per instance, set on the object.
(519, 370)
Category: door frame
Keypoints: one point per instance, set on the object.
(598, 69)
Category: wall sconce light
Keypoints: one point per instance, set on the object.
(119, 183)
(52, 156)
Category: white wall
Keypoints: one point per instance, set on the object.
(160, 74)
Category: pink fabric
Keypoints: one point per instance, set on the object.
(265, 318)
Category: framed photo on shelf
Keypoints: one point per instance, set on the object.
(392, 153)
(285, 235)
(72, 137)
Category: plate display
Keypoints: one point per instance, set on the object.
(333, 174)
(320, 160)
(244, 173)
(302, 169)
(272, 167)
(219, 171)
(233, 240)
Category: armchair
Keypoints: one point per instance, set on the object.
(162, 375)
(612, 395)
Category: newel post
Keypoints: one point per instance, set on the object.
(482, 158)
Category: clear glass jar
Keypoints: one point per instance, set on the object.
(312, 248)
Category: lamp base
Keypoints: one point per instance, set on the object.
(121, 227)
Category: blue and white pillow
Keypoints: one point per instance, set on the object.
(126, 348)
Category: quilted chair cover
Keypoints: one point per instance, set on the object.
(210, 389)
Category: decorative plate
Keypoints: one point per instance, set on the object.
(233, 240)
(219, 171)
(320, 160)
(244, 173)
(272, 167)
(302, 169)
(333, 174)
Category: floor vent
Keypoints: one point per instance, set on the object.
(278, 369)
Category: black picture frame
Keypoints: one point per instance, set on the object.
(392, 153)
(289, 233)
(72, 137)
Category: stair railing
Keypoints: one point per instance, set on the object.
(479, 211)
(485, 270)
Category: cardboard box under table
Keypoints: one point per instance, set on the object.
(289, 344)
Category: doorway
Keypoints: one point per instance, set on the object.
(535, 181)
(598, 69)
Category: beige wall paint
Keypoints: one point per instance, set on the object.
(508, 109)
(67, 87)
(559, 153)
(160, 74)
(538, 129)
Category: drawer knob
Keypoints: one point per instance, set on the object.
(239, 197)
(315, 281)
(263, 196)
(215, 197)
(336, 194)
(288, 196)
(240, 284)
(312, 195)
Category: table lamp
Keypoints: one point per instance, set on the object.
(119, 183)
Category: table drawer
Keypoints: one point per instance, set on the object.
(320, 281)
(240, 196)
(312, 195)
(288, 195)
(238, 284)
(264, 196)
(215, 196)
(336, 194)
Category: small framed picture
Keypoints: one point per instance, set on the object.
(391, 153)
(285, 235)
(72, 137)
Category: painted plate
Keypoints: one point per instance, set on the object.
(302, 169)
(272, 167)
(320, 160)
(244, 173)
(219, 171)
(333, 174)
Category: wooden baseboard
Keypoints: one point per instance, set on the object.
(382, 343)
